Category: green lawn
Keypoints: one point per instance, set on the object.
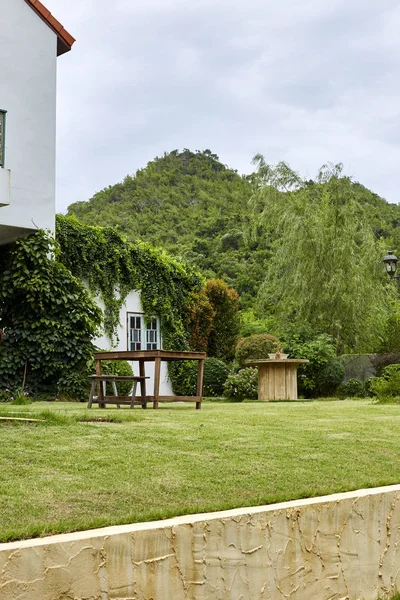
(65, 474)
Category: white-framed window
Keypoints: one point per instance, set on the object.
(142, 334)
(2, 136)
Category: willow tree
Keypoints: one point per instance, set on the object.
(325, 270)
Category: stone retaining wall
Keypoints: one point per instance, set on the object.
(340, 547)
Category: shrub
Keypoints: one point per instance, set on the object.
(353, 388)
(368, 385)
(216, 373)
(329, 377)
(254, 347)
(324, 372)
(387, 387)
(6, 395)
(243, 384)
(21, 398)
(390, 371)
(183, 375)
(74, 386)
(16, 397)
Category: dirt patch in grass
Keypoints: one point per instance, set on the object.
(99, 420)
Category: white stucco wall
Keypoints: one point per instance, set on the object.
(340, 547)
(28, 50)
(134, 305)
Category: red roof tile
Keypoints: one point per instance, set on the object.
(65, 39)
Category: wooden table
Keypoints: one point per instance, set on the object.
(157, 356)
(277, 377)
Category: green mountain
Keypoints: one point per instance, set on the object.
(198, 209)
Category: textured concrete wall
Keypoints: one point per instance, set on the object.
(339, 547)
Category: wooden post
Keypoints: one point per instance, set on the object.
(133, 395)
(91, 393)
(157, 370)
(200, 373)
(100, 386)
(114, 387)
(142, 383)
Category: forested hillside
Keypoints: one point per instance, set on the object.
(206, 213)
(193, 206)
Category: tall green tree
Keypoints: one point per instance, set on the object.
(226, 322)
(325, 269)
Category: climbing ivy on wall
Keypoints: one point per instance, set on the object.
(112, 267)
(48, 316)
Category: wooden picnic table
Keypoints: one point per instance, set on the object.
(100, 382)
(155, 356)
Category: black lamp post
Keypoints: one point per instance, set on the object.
(390, 262)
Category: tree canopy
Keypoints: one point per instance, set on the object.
(325, 267)
(251, 230)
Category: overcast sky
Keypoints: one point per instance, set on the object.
(304, 81)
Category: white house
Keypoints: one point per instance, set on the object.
(31, 40)
(134, 333)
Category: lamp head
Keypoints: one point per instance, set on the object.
(390, 262)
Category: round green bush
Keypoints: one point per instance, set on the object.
(255, 346)
(242, 385)
(387, 387)
(390, 371)
(183, 375)
(353, 388)
(215, 375)
(330, 377)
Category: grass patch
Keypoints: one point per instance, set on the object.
(21, 400)
(87, 419)
(44, 416)
(82, 468)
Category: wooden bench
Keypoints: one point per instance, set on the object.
(100, 382)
